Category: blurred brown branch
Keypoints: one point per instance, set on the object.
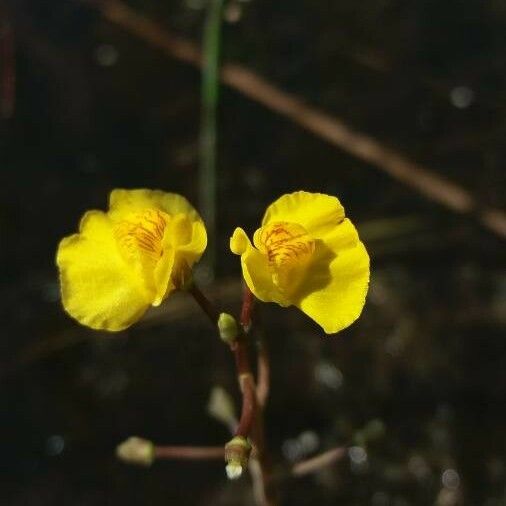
(327, 127)
(318, 462)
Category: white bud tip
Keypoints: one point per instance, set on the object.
(234, 471)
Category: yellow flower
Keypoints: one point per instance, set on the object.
(307, 254)
(129, 258)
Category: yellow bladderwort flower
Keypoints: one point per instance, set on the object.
(307, 254)
(132, 257)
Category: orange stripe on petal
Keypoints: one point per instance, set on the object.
(284, 243)
(142, 233)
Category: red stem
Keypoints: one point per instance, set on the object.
(248, 302)
(263, 374)
(240, 350)
(189, 452)
(247, 384)
(251, 421)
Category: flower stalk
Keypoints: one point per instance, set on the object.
(248, 303)
(250, 426)
(262, 479)
(205, 304)
(189, 452)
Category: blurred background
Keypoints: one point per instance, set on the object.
(415, 389)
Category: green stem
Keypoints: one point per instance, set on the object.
(208, 132)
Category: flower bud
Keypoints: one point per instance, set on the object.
(237, 452)
(136, 450)
(227, 326)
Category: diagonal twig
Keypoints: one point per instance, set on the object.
(318, 462)
(323, 125)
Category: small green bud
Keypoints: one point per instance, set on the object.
(136, 450)
(227, 326)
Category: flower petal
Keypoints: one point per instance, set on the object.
(316, 212)
(189, 253)
(183, 245)
(341, 237)
(255, 269)
(239, 242)
(184, 238)
(163, 274)
(125, 201)
(98, 288)
(338, 303)
(188, 237)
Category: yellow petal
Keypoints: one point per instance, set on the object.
(255, 269)
(183, 245)
(335, 292)
(289, 249)
(183, 239)
(163, 276)
(284, 243)
(341, 237)
(188, 237)
(98, 288)
(139, 235)
(190, 252)
(121, 201)
(239, 242)
(316, 212)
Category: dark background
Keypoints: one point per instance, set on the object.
(96, 109)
